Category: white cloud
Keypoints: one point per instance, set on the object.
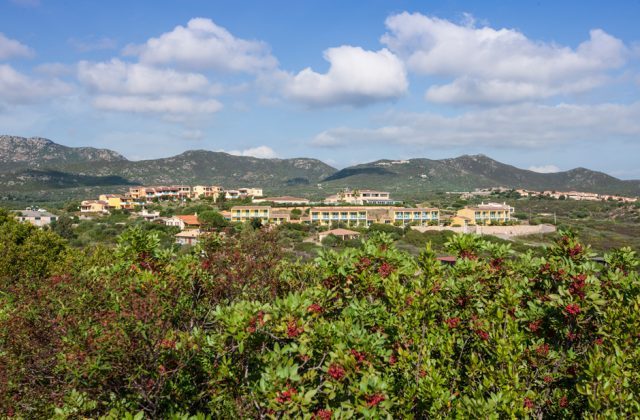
(513, 126)
(10, 48)
(498, 66)
(355, 77)
(167, 104)
(119, 77)
(262, 152)
(545, 169)
(18, 88)
(204, 45)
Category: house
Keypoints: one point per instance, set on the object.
(188, 237)
(344, 234)
(37, 217)
(484, 214)
(283, 200)
(94, 206)
(201, 191)
(149, 216)
(243, 193)
(116, 202)
(250, 192)
(184, 222)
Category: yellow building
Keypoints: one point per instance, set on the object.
(421, 216)
(206, 191)
(94, 206)
(116, 202)
(265, 213)
(370, 215)
(484, 214)
(328, 215)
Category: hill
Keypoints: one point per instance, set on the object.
(468, 172)
(35, 165)
(32, 164)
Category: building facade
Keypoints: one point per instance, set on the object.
(37, 217)
(484, 214)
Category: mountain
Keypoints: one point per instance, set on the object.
(37, 166)
(36, 163)
(37, 152)
(467, 172)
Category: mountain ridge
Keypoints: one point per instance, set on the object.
(59, 166)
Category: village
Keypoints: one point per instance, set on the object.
(349, 208)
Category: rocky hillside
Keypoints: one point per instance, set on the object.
(35, 162)
(468, 172)
(37, 152)
(37, 165)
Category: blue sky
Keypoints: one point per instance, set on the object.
(542, 85)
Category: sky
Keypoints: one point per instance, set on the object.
(542, 85)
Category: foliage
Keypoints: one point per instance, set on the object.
(234, 330)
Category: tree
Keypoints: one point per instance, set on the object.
(63, 226)
(211, 219)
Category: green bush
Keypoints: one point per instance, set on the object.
(234, 330)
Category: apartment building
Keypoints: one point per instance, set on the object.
(421, 216)
(199, 191)
(359, 197)
(350, 215)
(116, 202)
(161, 192)
(484, 214)
(365, 216)
(246, 213)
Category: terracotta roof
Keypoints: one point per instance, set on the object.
(189, 219)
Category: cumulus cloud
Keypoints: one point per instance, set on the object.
(116, 76)
(10, 48)
(18, 88)
(356, 77)
(515, 126)
(498, 65)
(166, 104)
(262, 152)
(544, 169)
(204, 45)
(134, 87)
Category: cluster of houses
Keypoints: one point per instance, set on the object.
(141, 195)
(352, 216)
(576, 195)
(350, 207)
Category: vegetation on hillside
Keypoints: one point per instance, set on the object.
(234, 329)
